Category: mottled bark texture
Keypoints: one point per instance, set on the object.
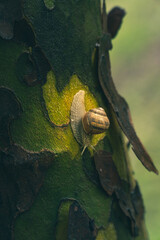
(49, 50)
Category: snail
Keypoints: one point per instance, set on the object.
(83, 123)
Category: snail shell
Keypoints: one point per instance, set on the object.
(95, 121)
(84, 123)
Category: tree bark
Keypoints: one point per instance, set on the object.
(48, 190)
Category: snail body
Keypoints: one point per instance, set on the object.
(83, 123)
(77, 113)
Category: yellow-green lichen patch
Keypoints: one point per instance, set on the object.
(58, 104)
(96, 138)
(107, 234)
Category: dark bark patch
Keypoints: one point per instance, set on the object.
(10, 11)
(32, 68)
(121, 222)
(10, 108)
(125, 203)
(26, 70)
(112, 184)
(89, 167)
(24, 33)
(107, 172)
(21, 176)
(120, 106)
(114, 20)
(42, 65)
(88, 161)
(80, 226)
(138, 205)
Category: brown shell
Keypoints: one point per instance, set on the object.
(95, 121)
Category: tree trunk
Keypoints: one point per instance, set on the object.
(48, 189)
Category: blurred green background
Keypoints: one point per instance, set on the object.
(135, 60)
